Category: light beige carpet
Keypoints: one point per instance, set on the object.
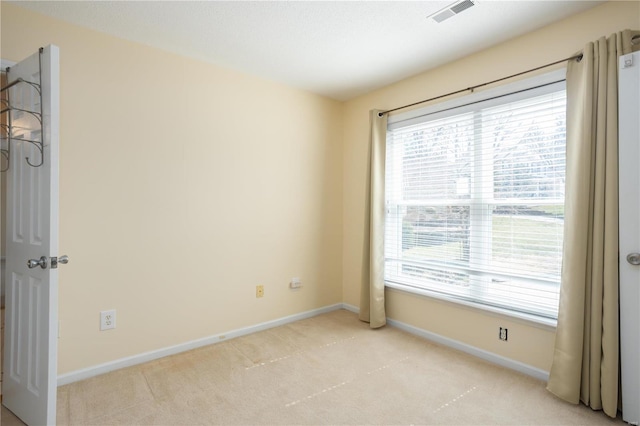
(327, 370)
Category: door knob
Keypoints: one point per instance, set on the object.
(42, 262)
(62, 259)
(633, 258)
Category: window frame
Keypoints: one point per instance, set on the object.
(513, 92)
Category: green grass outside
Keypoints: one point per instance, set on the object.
(523, 243)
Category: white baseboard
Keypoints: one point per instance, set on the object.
(86, 373)
(471, 350)
(351, 308)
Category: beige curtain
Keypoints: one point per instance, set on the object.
(372, 290)
(585, 361)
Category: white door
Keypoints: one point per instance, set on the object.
(31, 300)
(629, 170)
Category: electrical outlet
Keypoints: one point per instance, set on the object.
(295, 283)
(502, 334)
(259, 291)
(107, 320)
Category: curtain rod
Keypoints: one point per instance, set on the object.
(472, 88)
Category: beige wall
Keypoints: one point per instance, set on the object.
(183, 185)
(528, 344)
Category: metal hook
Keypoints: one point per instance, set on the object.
(40, 148)
(22, 80)
(37, 115)
(5, 154)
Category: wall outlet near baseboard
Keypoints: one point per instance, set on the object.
(503, 334)
(107, 319)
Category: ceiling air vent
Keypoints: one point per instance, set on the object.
(451, 10)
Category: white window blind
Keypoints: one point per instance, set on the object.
(475, 202)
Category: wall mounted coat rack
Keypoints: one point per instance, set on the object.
(17, 123)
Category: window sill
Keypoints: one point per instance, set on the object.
(527, 319)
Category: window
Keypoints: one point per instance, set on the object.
(475, 200)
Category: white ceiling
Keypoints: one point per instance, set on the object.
(340, 49)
